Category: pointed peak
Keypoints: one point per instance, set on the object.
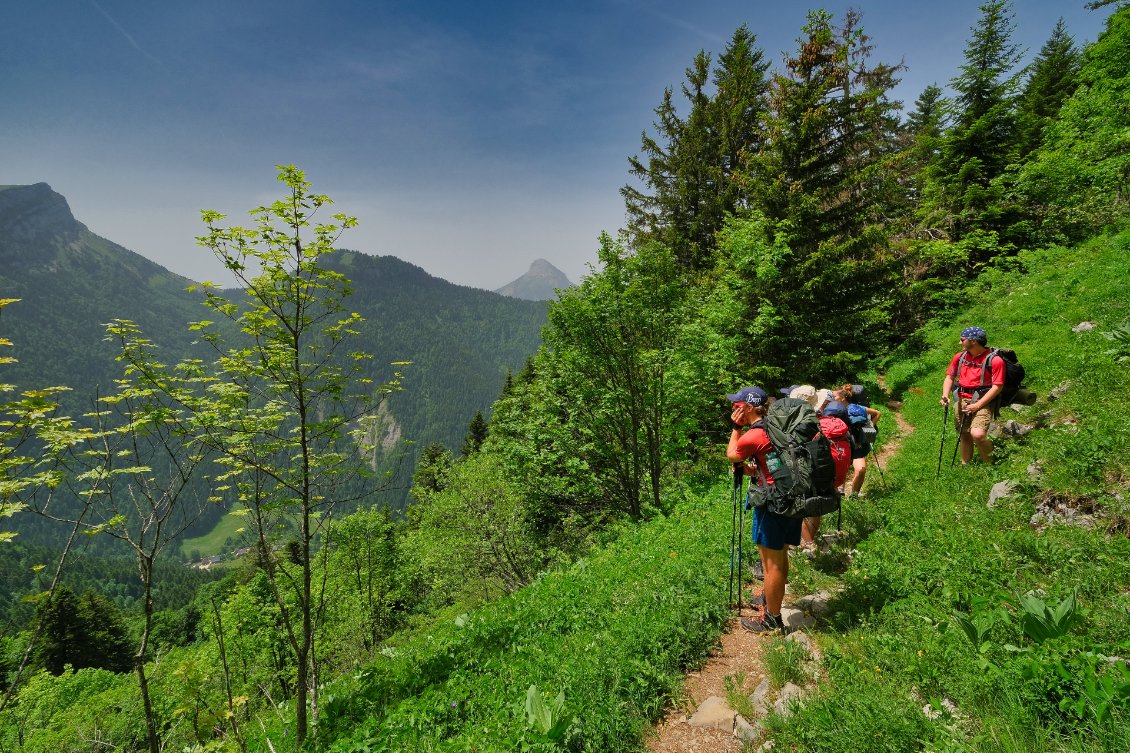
(540, 283)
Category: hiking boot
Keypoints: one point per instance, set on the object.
(766, 623)
(757, 570)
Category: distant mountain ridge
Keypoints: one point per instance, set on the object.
(461, 341)
(540, 283)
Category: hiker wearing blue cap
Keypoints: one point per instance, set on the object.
(772, 533)
(976, 391)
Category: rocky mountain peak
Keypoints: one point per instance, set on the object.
(538, 284)
(28, 213)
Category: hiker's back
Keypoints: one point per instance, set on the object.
(804, 483)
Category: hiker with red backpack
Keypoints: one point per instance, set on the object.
(772, 533)
(980, 378)
(833, 425)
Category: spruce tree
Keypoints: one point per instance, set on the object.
(688, 167)
(476, 435)
(983, 141)
(1052, 80)
(81, 632)
(828, 180)
(922, 135)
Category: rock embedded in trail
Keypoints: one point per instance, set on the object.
(714, 713)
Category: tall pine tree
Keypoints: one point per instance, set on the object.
(1052, 80)
(827, 179)
(983, 140)
(688, 167)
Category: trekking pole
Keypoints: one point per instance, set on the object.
(734, 529)
(875, 459)
(960, 431)
(942, 449)
(739, 474)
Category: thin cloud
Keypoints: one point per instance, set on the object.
(678, 23)
(124, 33)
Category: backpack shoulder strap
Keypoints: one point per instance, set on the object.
(962, 361)
(986, 371)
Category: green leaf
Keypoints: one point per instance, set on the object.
(537, 713)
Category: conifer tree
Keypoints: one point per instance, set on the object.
(431, 470)
(983, 140)
(688, 168)
(81, 632)
(828, 182)
(476, 435)
(1052, 79)
(924, 130)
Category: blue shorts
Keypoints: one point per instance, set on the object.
(774, 531)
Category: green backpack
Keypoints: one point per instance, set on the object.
(803, 470)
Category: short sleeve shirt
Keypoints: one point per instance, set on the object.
(755, 445)
(970, 376)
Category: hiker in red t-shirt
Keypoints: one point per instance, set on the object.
(977, 390)
(772, 533)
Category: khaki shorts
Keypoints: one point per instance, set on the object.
(981, 419)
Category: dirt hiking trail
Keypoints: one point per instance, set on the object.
(739, 653)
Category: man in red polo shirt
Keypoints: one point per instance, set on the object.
(978, 384)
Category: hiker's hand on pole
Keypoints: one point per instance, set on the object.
(945, 401)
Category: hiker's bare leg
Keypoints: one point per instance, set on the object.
(859, 472)
(966, 448)
(809, 530)
(776, 564)
(980, 437)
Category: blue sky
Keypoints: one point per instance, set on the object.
(468, 138)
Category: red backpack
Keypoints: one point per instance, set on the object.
(839, 437)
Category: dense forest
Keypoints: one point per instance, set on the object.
(785, 224)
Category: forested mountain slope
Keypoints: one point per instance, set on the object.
(462, 342)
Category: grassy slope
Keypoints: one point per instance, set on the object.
(615, 631)
(937, 550)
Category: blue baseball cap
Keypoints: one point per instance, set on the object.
(753, 395)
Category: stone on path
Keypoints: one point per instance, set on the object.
(795, 619)
(817, 604)
(714, 713)
(809, 645)
(745, 731)
(759, 698)
(788, 693)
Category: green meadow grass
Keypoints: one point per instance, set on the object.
(930, 644)
(214, 542)
(941, 555)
